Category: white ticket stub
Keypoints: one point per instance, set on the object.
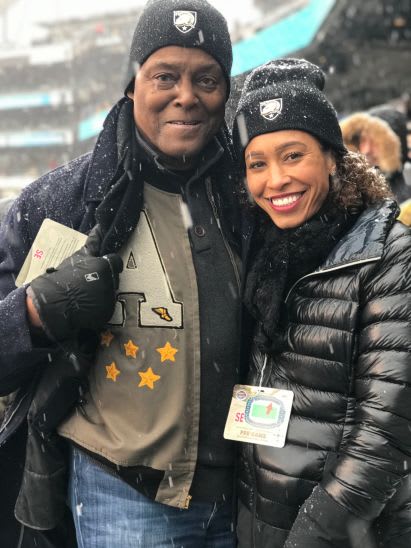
(54, 243)
(259, 415)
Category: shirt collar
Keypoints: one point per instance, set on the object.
(209, 156)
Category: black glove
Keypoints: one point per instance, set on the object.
(323, 523)
(78, 294)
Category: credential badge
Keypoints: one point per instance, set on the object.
(184, 20)
(271, 109)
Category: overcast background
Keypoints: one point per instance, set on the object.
(24, 14)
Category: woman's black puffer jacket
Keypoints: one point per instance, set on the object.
(348, 363)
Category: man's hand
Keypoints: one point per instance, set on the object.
(32, 313)
(79, 294)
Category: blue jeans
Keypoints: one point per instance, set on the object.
(108, 513)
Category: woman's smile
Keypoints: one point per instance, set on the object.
(286, 202)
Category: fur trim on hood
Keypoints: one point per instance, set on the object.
(385, 138)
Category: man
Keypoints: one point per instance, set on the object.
(148, 462)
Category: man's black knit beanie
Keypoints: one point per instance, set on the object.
(184, 23)
(285, 94)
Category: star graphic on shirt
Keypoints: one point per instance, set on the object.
(105, 338)
(131, 349)
(148, 378)
(167, 352)
(112, 371)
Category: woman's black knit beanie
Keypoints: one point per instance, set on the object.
(285, 94)
(184, 23)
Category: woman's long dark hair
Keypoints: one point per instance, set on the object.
(356, 185)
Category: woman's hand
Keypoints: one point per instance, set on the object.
(323, 523)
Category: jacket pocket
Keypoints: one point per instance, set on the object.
(41, 503)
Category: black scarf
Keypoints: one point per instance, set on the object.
(279, 258)
(119, 212)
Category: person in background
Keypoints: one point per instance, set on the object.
(328, 284)
(381, 135)
(125, 355)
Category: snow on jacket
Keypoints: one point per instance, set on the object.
(347, 361)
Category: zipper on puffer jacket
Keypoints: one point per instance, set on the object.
(332, 269)
(250, 459)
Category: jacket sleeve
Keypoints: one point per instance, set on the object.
(59, 196)
(18, 356)
(377, 454)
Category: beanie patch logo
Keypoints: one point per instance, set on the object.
(184, 21)
(272, 108)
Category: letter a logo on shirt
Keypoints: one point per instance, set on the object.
(131, 263)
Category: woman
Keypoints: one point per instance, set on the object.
(328, 284)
